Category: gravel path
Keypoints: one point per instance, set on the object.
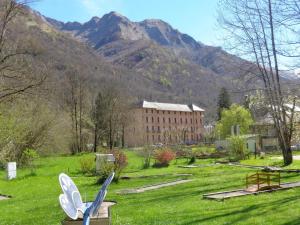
(152, 187)
(3, 197)
(295, 157)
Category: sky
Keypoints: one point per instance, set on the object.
(196, 18)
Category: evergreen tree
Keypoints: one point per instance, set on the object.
(223, 101)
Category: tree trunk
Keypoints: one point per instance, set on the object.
(80, 118)
(76, 128)
(95, 138)
(287, 156)
(286, 153)
(123, 136)
(110, 135)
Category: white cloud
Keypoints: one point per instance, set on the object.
(93, 7)
(98, 7)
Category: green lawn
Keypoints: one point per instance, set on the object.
(35, 198)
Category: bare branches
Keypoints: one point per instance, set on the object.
(18, 73)
(256, 28)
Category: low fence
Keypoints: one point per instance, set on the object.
(261, 179)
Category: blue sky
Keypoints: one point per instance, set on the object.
(194, 17)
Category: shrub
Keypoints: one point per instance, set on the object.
(27, 159)
(120, 163)
(164, 157)
(192, 160)
(147, 153)
(108, 167)
(106, 170)
(87, 165)
(237, 148)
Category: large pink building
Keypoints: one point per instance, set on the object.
(165, 123)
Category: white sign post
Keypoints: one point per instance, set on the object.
(11, 170)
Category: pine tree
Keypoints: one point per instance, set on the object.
(223, 101)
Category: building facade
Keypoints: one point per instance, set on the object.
(155, 123)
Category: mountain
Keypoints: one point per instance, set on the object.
(178, 65)
(149, 59)
(113, 27)
(61, 54)
(117, 38)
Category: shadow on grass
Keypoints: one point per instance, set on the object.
(246, 213)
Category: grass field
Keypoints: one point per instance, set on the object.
(35, 198)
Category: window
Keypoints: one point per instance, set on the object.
(196, 121)
(158, 137)
(152, 120)
(158, 119)
(191, 120)
(163, 112)
(147, 129)
(147, 119)
(146, 110)
(168, 112)
(175, 120)
(174, 113)
(147, 138)
(152, 137)
(151, 110)
(180, 113)
(186, 120)
(158, 128)
(185, 113)
(164, 119)
(157, 112)
(181, 120)
(169, 120)
(191, 129)
(153, 128)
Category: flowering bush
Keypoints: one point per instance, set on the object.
(117, 166)
(120, 163)
(164, 157)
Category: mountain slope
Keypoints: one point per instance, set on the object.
(180, 67)
(153, 48)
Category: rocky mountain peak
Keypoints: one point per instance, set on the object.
(113, 26)
(114, 17)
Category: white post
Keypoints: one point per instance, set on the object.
(232, 131)
(237, 129)
(11, 170)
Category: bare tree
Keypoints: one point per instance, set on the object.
(75, 97)
(99, 119)
(110, 116)
(255, 34)
(18, 73)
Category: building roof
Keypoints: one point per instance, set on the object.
(172, 107)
